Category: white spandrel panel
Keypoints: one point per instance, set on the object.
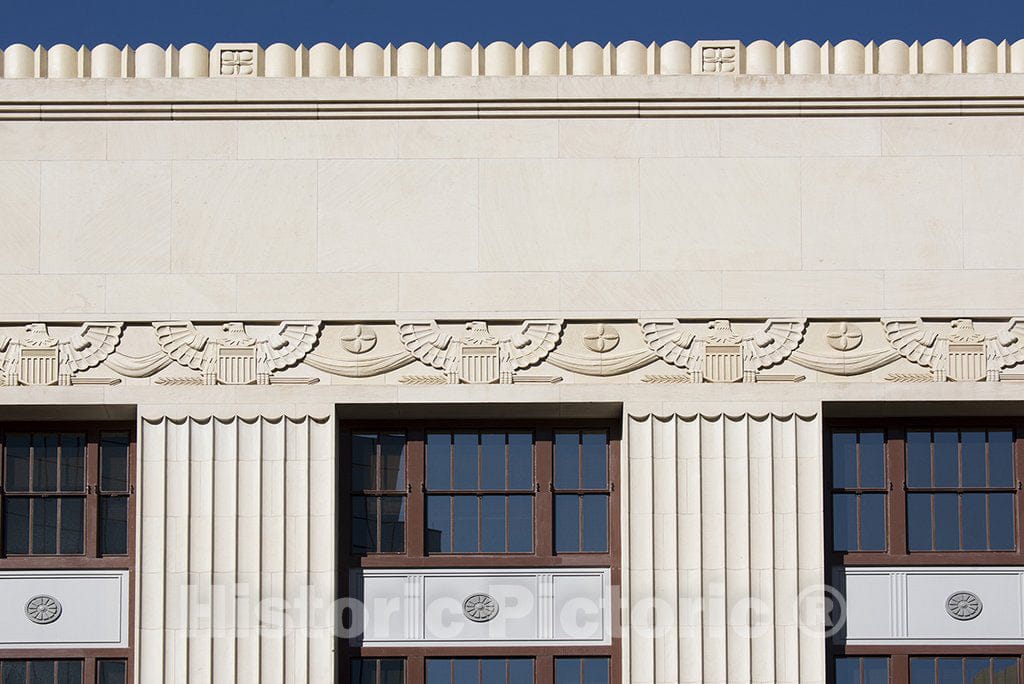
(910, 605)
(91, 609)
(520, 607)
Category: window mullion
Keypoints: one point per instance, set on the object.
(544, 526)
(896, 467)
(415, 511)
(92, 479)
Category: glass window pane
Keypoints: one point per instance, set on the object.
(392, 523)
(1001, 522)
(439, 460)
(520, 524)
(1004, 671)
(972, 458)
(439, 671)
(595, 460)
(465, 536)
(872, 459)
(466, 464)
(844, 522)
(364, 447)
(492, 534)
(363, 671)
(493, 670)
(567, 671)
(595, 522)
(69, 672)
(72, 463)
(844, 459)
(492, 460)
(16, 525)
(520, 460)
(520, 671)
(947, 522)
(1000, 458)
(876, 670)
(922, 670)
(919, 459)
(364, 524)
(975, 537)
(44, 526)
(466, 671)
(41, 671)
(44, 463)
(976, 670)
(72, 525)
(14, 671)
(847, 670)
(114, 525)
(17, 464)
(567, 460)
(950, 671)
(114, 462)
(872, 522)
(946, 447)
(919, 522)
(392, 462)
(595, 671)
(567, 523)
(110, 672)
(439, 524)
(392, 671)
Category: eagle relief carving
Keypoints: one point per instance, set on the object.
(961, 355)
(235, 357)
(478, 356)
(36, 358)
(723, 355)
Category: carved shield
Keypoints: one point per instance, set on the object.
(480, 364)
(966, 362)
(38, 366)
(723, 362)
(236, 365)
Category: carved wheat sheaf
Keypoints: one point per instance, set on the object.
(666, 379)
(422, 380)
(909, 377)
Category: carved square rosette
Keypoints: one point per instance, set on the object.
(236, 60)
(717, 57)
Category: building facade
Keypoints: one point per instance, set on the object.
(560, 364)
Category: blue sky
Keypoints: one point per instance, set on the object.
(397, 21)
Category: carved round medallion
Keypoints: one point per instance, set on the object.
(480, 608)
(43, 609)
(963, 605)
(601, 338)
(844, 336)
(358, 340)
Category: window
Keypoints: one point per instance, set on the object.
(479, 670)
(910, 491)
(58, 486)
(425, 495)
(582, 671)
(377, 670)
(480, 488)
(853, 670)
(969, 670)
(42, 671)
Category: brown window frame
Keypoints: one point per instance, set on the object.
(90, 559)
(543, 554)
(896, 533)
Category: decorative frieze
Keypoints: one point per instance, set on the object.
(426, 353)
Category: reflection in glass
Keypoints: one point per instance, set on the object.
(16, 532)
(17, 462)
(567, 460)
(364, 524)
(919, 522)
(14, 671)
(492, 533)
(492, 461)
(567, 523)
(439, 464)
(439, 671)
(44, 463)
(392, 524)
(844, 522)
(72, 463)
(1002, 522)
(950, 671)
(72, 525)
(876, 670)
(465, 671)
(972, 458)
(946, 459)
(44, 526)
(872, 460)
(922, 670)
(919, 459)
(392, 462)
(520, 460)
(595, 523)
(465, 466)
(363, 449)
(844, 460)
(947, 522)
(41, 671)
(114, 525)
(520, 671)
(1000, 458)
(872, 522)
(70, 672)
(520, 524)
(114, 462)
(1004, 670)
(465, 535)
(975, 537)
(110, 672)
(439, 524)
(595, 460)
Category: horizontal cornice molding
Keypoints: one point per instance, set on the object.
(722, 57)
